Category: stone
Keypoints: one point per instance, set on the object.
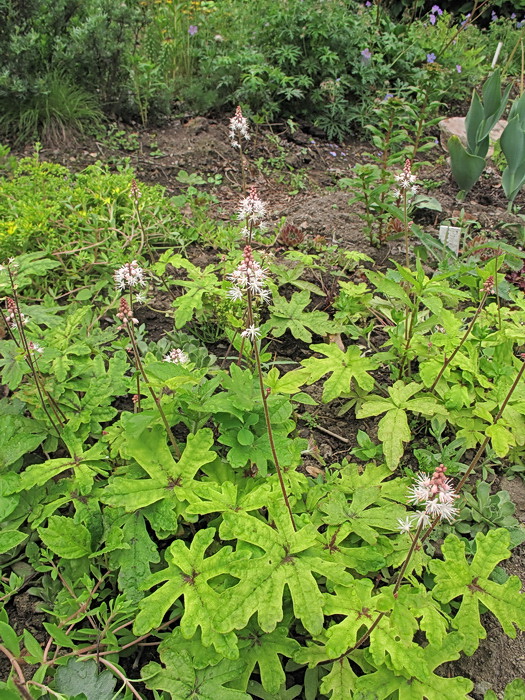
(455, 126)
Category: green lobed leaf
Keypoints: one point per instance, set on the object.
(456, 578)
(178, 677)
(344, 367)
(187, 575)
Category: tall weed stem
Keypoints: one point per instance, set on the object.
(487, 289)
(140, 367)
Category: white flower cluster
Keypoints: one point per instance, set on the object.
(238, 127)
(252, 332)
(249, 275)
(406, 180)
(252, 210)
(437, 494)
(129, 275)
(176, 356)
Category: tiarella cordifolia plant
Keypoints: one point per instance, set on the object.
(405, 189)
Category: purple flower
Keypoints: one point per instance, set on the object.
(366, 55)
(432, 19)
(493, 16)
(387, 97)
(436, 9)
(458, 68)
(192, 29)
(431, 57)
(467, 17)
(368, 3)
(333, 153)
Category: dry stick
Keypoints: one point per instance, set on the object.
(448, 360)
(152, 392)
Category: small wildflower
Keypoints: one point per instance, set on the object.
(35, 348)
(458, 68)
(238, 127)
(129, 275)
(432, 19)
(406, 180)
(176, 356)
(125, 314)
(251, 332)
(192, 29)
(368, 3)
(436, 493)
(366, 55)
(436, 9)
(218, 38)
(387, 97)
(431, 57)
(252, 209)
(14, 315)
(248, 275)
(404, 525)
(134, 191)
(140, 298)
(488, 285)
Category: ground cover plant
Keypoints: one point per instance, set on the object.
(166, 506)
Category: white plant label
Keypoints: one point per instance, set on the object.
(450, 236)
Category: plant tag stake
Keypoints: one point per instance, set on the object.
(450, 236)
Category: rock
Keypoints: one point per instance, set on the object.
(455, 126)
(197, 125)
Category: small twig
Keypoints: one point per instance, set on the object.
(122, 677)
(15, 665)
(328, 432)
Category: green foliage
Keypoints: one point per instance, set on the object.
(393, 429)
(82, 677)
(468, 163)
(62, 62)
(87, 218)
(291, 315)
(455, 578)
(152, 502)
